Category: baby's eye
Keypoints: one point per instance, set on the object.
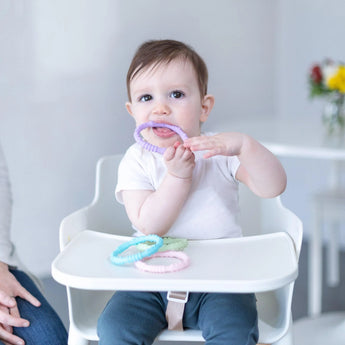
(177, 94)
(145, 98)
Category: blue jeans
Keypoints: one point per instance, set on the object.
(45, 328)
(136, 318)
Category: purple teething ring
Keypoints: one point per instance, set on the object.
(150, 147)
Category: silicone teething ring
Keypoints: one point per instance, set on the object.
(182, 263)
(150, 147)
(121, 260)
(169, 243)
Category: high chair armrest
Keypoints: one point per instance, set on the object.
(73, 224)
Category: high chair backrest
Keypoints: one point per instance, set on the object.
(259, 216)
(104, 214)
(106, 179)
(107, 215)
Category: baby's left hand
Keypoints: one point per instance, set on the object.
(225, 144)
(180, 161)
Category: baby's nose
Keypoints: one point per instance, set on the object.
(161, 108)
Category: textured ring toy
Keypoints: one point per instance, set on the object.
(122, 260)
(169, 243)
(150, 147)
(182, 263)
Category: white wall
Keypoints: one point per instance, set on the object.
(62, 91)
(307, 32)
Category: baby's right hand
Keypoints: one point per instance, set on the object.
(180, 161)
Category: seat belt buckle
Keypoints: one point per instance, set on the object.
(178, 296)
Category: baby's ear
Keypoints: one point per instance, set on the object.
(129, 108)
(206, 105)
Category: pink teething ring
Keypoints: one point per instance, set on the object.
(183, 262)
(150, 147)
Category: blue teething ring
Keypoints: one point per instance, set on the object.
(122, 260)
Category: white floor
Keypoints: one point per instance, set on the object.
(328, 329)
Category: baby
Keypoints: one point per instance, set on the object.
(190, 191)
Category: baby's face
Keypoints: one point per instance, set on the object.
(170, 94)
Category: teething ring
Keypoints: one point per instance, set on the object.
(122, 260)
(150, 147)
(169, 243)
(183, 262)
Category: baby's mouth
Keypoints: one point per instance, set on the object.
(163, 132)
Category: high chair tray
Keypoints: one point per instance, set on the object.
(247, 264)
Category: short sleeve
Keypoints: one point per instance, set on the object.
(132, 174)
(234, 164)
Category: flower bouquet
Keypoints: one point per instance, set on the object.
(328, 80)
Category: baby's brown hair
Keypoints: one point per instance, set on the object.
(152, 53)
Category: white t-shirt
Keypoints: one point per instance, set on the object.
(211, 209)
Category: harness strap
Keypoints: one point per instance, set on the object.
(175, 309)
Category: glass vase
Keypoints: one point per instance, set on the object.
(333, 116)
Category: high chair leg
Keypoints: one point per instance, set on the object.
(333, 255)
(315, 264)
(287, 339)
(74, 338)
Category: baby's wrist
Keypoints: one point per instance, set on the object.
(184, 178)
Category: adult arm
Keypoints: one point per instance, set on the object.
(9, 286)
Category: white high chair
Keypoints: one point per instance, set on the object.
(265, 264)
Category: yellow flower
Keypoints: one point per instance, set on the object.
(337, 80)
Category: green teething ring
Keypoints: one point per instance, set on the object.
(169, 243)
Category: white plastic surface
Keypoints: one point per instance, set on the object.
(229, 265)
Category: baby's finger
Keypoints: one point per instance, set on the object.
(211, 153)
(177, 144)
(199, 143)
(169, 153)
(180, 151)
(188, 154)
